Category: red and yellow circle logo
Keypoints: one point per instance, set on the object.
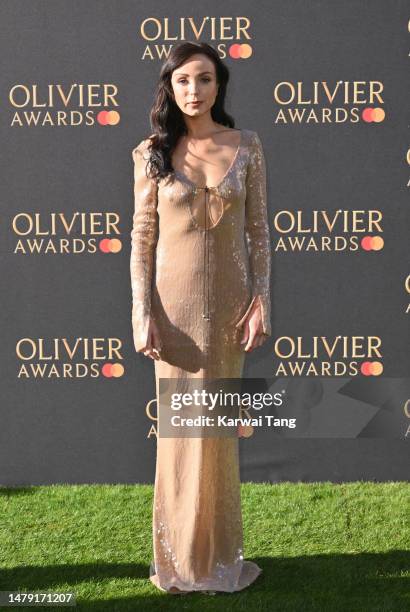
(373, 115)
(108, 117)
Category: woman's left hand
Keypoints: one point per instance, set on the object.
(253, 335)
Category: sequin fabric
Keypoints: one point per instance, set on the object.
(200, 258)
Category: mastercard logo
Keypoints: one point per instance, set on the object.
(372, 243)
(108, 117)
(371, 368)
(240, 51)
(373, 115)
(110, 245)
(112, 370)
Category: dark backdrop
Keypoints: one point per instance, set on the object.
(82, 419)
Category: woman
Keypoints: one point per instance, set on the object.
(200, 270)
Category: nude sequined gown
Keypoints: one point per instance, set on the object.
(198, 275)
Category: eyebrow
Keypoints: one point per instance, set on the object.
(186, 74)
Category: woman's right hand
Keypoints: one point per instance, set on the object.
(153, 347)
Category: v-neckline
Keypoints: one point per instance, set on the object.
(184, 176)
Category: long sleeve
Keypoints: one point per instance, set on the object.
(144, 236)
(257, 233)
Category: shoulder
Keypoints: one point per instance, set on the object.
(142, 149)
(252, 138)
(254, 147)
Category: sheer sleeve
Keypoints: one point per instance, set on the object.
(144, 236)
(257, 233)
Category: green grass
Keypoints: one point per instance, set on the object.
(322, 546)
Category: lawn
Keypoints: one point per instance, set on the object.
(322, 547)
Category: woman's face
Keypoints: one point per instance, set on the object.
(195, 81)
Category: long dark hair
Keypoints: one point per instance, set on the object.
(166, 118)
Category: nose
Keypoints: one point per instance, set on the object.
(193, 88)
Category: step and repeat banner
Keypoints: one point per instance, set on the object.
(325, 86)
